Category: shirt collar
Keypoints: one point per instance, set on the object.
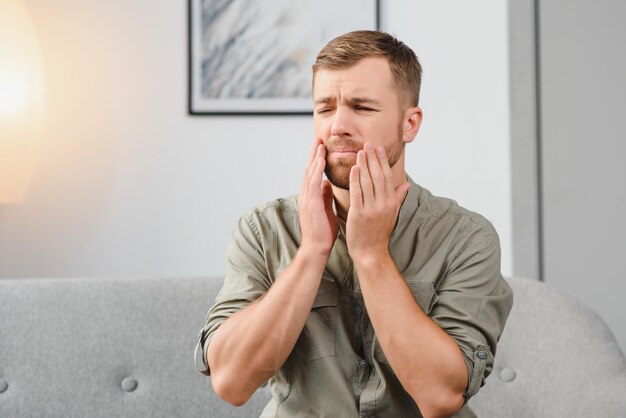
(409, 207)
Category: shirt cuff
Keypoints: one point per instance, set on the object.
(202, 347)
(476, 369)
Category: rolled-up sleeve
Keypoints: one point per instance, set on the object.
(473, 303)
(245, 281)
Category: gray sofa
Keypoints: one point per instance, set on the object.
(123, 348)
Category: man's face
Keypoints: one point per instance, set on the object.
(353, 106)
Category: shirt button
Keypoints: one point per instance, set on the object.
(363, 363)
(358, 310)
(482, 354)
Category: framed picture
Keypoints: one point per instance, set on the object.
(255, 56)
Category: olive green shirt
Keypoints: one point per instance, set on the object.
(450, 259)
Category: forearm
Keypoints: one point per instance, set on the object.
(249, 347)
(426, 360)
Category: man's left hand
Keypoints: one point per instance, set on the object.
(374, 204)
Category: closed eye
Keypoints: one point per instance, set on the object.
(364, 108)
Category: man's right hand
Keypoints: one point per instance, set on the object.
(251, 346)
(318, 223)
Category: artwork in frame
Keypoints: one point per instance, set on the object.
(255, 56)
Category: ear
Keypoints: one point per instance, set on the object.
(411, 124)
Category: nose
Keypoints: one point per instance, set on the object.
(341, 125)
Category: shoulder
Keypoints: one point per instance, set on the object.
(450, 227)
(267, 236)
(281, 206)
(267, 217)
(448, 211)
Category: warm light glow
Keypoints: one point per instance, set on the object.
(14, 97)
(21, 100)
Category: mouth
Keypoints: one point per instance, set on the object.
(343, 153)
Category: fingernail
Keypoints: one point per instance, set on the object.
(362, 155)
(380, 150)
(367, 147)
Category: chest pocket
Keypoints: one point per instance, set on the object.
(318, 337)
(426, 298)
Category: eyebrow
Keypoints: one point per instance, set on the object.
(353, 100)
(324, 100)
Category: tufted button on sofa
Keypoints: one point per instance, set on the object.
(124, 348)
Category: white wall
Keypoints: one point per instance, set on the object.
(130, 185)
(463, 148)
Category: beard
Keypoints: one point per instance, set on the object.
(338, 173)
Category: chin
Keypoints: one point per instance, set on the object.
(339, 176)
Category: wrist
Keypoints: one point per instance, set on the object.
(314, 253)
(370, 259)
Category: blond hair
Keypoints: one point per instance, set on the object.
(346, 50)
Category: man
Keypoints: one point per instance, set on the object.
(365, 295)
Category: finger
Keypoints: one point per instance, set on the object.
(315, 178)
(376, 172)
(320, 156)
(386, 169)
(356, 196)
(313, 153)
(312, 161)
(364, 177)
(327, 194)
(313, 173)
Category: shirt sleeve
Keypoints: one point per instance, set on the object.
(473, 303)
(245, 281)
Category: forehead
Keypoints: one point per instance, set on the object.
(369, 77)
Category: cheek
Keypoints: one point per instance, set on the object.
(321, 128)
(381, 132)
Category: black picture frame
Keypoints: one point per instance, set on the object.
(222, 32)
